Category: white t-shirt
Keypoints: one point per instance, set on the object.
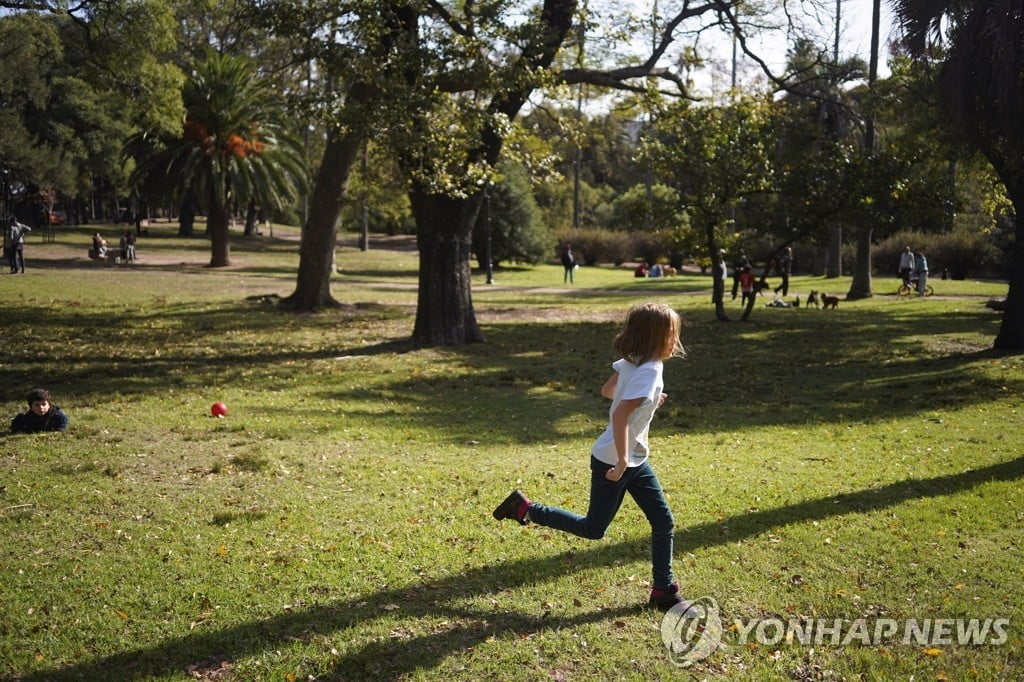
(635, 381)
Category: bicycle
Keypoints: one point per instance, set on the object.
(909, 286)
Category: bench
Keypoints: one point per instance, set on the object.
(111, 256)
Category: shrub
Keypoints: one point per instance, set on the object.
(598, 246)
(962, 252)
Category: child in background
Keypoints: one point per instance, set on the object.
(747, 280)
(619, 459)
(42, 415)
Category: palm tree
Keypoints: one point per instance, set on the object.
(982, 81)
(234, 148)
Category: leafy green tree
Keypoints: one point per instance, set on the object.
(982, 81)
(30, 51)
(377, 184)
(102, 70)
(656, 209)
(820, 128)
(713, 156)
(512, 219)
(654, 206)
(235, 147)
(445, 83)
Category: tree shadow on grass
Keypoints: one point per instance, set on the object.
(798, 368)
(457, 626)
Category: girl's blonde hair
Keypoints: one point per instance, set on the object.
(651, 333)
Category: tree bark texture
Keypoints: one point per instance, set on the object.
(444, 308)
(834, 261)
(220, 245)
(316, 251)
(860, 286)
(1011, 331)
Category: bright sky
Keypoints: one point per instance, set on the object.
(855, 38)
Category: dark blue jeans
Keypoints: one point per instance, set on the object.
(605, 499)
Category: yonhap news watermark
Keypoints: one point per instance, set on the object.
(693, 631)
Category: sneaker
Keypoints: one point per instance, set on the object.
(515, 507)
(665, 599)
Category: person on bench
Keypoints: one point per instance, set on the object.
(99, 245)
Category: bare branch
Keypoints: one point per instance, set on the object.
(618, 79)
(446, 16)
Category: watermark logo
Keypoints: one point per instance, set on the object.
(693, 631)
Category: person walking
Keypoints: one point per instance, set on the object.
(14, 239)
(619, 459)
(747, 280)
(737, 269)
(921, 270)
(569, 263)
(784, 266)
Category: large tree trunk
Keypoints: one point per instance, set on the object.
(1011, 332)
(444, 309)
(187, 218)
(316, 252)
(834, 261)
(860, 286)
(217, 226)
(250, 220)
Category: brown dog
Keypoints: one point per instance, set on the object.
(829, 301)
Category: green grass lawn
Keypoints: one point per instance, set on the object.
(862, 463)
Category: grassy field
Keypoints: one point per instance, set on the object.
(863, 463)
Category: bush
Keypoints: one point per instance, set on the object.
(598, 246)
(517, 233)
(962, 252)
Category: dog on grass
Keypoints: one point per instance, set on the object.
(812, 300)
(828, 301)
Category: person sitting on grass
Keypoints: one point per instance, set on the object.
(42, 415)
(619, 459)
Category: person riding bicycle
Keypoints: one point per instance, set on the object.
(907, 266)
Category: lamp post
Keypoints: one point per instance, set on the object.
(487, 225)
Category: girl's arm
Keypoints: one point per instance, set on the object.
(608, 390)
(620, 429)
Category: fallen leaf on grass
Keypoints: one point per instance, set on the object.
(200, 619)
(932, 652)
(213, 669)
